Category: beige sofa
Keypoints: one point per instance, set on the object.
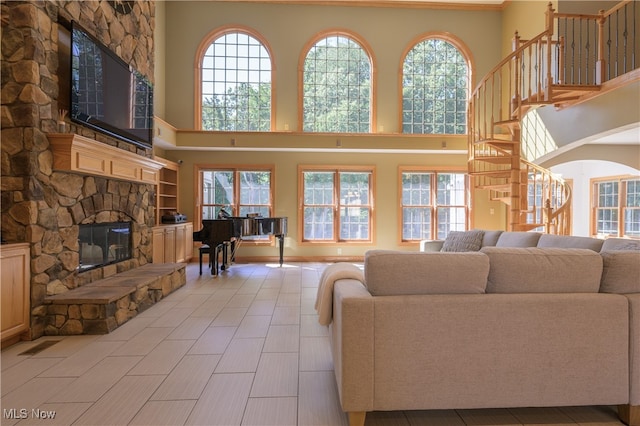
(502, 327)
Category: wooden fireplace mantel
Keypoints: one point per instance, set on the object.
(79, 154)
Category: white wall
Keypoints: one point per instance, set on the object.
(582, 172)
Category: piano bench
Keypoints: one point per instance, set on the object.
(204, 249)
(213, 257)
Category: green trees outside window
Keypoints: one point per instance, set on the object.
(434, 89)
(236, 84)
(337, 87)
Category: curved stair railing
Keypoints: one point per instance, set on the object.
(539, 71)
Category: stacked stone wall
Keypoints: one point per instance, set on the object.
(43, 206)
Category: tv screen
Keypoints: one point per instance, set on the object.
(107, 94)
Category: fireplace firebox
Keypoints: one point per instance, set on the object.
(104, 243)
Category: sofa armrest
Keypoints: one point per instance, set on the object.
(634, 348)
(351, 337)
(431, 245)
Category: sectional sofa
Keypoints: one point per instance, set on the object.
(499, 327)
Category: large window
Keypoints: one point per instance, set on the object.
(433, 204)
(238, 191)
(616, 207)
(236, 84)
(435, 85)
(337, 204)
(337, 87)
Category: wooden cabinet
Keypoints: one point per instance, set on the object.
(15, 277)
(188, 242)
(167, 197)
(158, 244)
(170, 244)
(173, 243)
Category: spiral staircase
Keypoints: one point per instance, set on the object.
(559, 67)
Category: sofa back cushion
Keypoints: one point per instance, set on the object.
(388, 272)
(490, 238)
(620, 244)
(568, 241)
(518, 239)
(621, 273)
(543, 270)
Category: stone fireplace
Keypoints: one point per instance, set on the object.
(78, 201)
(41, 204)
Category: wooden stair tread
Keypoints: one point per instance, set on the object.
(529, 226)
(504, 200)
(497, 159)
(498, 187)
(502, 144)
(576, 87)
(492, 173)
(508, 123)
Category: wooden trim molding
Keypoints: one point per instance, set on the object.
(79, 154)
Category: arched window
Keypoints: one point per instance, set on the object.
(235, 82)
(337, 86)
(435, 88)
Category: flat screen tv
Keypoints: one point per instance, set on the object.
(107, 94)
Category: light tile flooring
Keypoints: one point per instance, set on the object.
(241, 349)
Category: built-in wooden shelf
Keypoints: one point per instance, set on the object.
(167, 200)
(79, 154)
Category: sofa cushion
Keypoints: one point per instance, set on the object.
(388, 272)
(463, 241)
(620, 244)
(543, 270)
(568, 241)
(518, 239)
(621, 271)
(490, 238)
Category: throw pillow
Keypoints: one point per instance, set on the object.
(463, 241)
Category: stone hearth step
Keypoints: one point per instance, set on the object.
(103, 305)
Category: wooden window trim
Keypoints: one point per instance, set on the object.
(337, 169)
(198, 203)
(622, 195)
(464, 50)
(199, 57)
(435, 171)
(367, 49)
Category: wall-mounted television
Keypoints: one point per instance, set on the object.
(107, 94)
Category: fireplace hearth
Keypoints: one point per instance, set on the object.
(103, 244)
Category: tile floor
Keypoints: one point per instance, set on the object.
(241, 349)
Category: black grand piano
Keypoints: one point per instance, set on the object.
(221, 236)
